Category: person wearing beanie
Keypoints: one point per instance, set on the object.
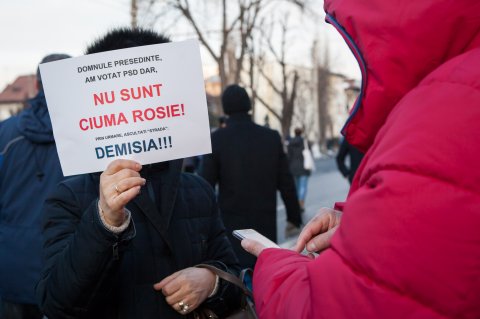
(29, 169)
(235, 100)
(249, 165)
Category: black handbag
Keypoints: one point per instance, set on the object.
(247, 307)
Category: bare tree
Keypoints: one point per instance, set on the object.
(304, 115)
(252, 75)
(287, 90)
(239, 50)
(321, 63)
(234, 30)
(133, 13)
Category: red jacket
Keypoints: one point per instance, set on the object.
(409, 242)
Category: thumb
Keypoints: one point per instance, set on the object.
(252, 246)
(321, 241)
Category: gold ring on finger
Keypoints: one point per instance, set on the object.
(183, 307)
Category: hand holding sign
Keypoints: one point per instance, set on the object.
(119, 184)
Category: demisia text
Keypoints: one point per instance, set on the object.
(135, 147)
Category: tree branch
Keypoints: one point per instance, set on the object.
(270, 81)
(185, 10)
(268, 107)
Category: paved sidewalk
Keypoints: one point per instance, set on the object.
(324, 189)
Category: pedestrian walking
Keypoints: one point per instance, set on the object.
(249, 165)
(296, 147)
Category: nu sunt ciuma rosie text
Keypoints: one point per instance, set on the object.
(157, 112)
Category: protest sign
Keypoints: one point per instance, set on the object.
(145, 103)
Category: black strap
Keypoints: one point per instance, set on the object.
(228, 277)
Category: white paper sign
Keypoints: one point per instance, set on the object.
(146, 103)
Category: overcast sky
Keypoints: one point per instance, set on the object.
(31, 29)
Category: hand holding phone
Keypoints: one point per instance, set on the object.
(254, 235)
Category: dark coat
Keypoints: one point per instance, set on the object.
(249, 164)
(295, 156)
(92, 273)
(347, 150)
(29, 170)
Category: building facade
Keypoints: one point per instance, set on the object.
(14, 97)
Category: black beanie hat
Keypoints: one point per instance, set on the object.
(235, 100)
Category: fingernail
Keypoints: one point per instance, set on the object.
(144, 181)
(311, 247)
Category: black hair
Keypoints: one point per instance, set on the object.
(122, 38)
(49, 58)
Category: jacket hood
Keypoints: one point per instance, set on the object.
(34, 123)
(397, 44)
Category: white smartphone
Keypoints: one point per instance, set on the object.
(253, 234)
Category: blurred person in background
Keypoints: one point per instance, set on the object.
(222, 122)
(295, 147)
(354, 158)
(249, 164)
(29, 170)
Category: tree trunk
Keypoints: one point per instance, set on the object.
(322, 104)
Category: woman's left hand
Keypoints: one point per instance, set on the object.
(186, 289)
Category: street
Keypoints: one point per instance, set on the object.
(325, 187)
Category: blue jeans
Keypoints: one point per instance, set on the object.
(301, 184)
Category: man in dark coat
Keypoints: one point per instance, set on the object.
(249, 164)
(355, 157)
(29, 170)
(124, 244)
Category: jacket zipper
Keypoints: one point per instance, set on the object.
(361, 62)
